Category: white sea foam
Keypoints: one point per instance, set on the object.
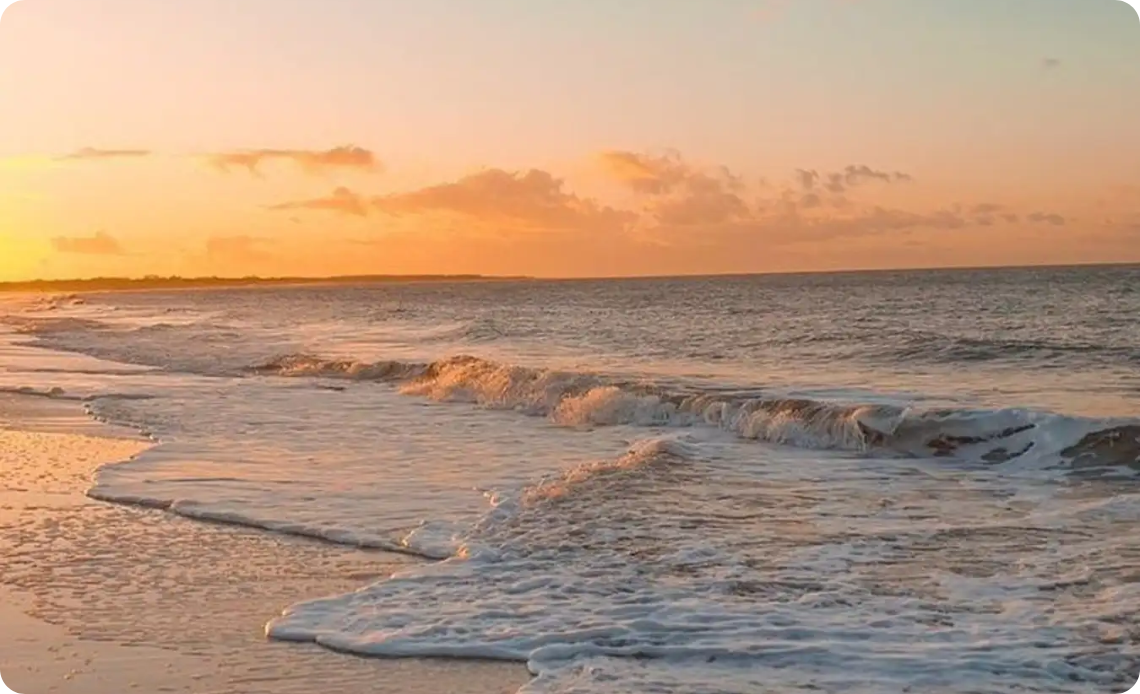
(602, 580)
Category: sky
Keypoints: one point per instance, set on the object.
(564, 137)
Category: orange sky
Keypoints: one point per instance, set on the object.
(296, 137)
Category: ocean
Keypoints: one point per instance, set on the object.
(865, 482)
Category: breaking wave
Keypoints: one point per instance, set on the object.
(585, 399)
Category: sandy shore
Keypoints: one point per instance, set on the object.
(104, 599)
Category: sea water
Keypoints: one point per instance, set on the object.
(869, 482)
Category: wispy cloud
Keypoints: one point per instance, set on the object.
(837, 182)
(988, 214)
(310, 161)
(1051, 63)
(101, 243)
(341, 200)
(91, 153)
(1050, 218)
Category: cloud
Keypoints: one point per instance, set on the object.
(705, 202)
(854, 175)
(645, 173)
(807, 179)
(1051, 63)
(838, 182)
(310, 161)
(676, 193)
(1050, 218)
(987, 214)
(342, 200)
(789, 226)
(90, 153)
(86, 154)
(811, 201)
(829, 189)
(99, 244)
(533, 199)
(674, 205)
(682, 204)
(879, 219)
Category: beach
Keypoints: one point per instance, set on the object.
(99, 598)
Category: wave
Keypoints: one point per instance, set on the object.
(52, 326)
(909, 346)
(516, 539)
(928, 347)
(305, 365)
(55, 302)
(642, 455)
(479, 330)
(431, 540)
(586, 399)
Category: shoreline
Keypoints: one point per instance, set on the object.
(103, 598)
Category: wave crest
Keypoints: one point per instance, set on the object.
(585, 399)
(306, 365)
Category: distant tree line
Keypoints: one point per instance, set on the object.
(175, 282)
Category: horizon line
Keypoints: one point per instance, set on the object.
(206, 281)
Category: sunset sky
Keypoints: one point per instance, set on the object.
(564, 137)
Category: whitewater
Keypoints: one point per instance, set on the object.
(871, 482)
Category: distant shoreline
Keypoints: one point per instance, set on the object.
(107, 284)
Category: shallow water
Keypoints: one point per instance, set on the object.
(865, 482)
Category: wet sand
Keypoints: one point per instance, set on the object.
(105, 599)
